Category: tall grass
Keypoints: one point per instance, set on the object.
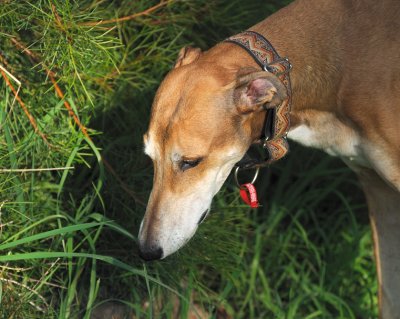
(68, 246)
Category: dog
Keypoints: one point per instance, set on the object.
(345, 100)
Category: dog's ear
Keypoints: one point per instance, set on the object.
(187, 55)
(254, 90)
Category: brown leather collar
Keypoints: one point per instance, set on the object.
(277, 120)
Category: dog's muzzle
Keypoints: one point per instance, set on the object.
(203, 216)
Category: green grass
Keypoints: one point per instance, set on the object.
(68, 241)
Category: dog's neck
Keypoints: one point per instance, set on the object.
(303, 40)
(313, 79)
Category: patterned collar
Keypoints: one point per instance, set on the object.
(277, 120)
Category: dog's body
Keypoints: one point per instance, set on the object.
(345, 100)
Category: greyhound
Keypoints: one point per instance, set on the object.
(345, 100)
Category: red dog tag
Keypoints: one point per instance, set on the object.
(249, 195)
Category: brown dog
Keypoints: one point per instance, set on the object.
(345, 100)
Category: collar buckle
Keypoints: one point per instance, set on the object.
(268, 67)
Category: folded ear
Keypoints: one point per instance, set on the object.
(256, 89)
(187, 55)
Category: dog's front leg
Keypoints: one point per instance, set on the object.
(384, 208)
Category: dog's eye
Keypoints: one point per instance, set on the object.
(186, 164)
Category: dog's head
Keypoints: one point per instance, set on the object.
(204, 117)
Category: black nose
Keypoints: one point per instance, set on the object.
(151, 253)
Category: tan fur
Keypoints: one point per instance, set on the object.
(346, 101)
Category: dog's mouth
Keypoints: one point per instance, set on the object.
(203, 216)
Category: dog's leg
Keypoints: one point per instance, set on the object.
(384, 208)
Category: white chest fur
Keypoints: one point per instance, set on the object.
(327, 133)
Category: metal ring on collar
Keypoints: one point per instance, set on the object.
(237, 178)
